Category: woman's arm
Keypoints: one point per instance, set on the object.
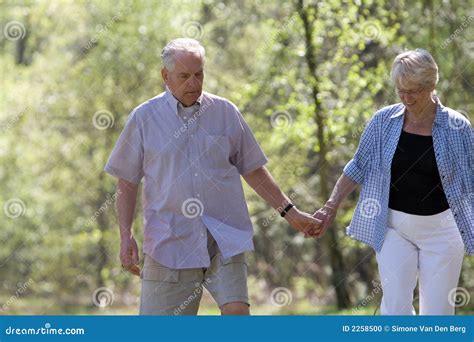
(343, 188)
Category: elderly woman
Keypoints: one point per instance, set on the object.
(415, 162)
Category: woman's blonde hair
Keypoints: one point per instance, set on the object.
(415, 66)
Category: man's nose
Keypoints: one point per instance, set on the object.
(193, 82)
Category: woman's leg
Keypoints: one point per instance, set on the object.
(398, 267)
(441, 256)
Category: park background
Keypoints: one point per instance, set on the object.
(307, 75)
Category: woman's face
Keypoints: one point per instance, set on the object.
(415, 97)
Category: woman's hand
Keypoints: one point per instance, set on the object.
(303, 222)
(326, 214)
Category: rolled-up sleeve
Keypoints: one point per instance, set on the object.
(126, 159)
(356, 168)
(246, 154)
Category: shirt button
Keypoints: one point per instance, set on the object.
(198, 195)
(192, 135)
(185, 117)
(196, 174)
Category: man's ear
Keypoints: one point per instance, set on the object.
(164, 74)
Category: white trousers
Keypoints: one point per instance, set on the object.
(429, 248)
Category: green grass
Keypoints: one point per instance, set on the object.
(42, 306)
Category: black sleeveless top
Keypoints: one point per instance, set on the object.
(415, 185)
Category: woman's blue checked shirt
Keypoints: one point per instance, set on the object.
(453, 142)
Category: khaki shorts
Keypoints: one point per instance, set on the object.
(167, 291)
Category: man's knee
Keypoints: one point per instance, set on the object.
(235, 309)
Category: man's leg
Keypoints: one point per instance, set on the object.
(168, 291)
(226, 280)
(235, 309)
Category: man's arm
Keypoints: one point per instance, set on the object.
(125, 207)
(265, 186)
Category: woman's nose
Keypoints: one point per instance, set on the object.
(406, 97)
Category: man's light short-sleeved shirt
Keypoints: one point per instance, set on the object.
(191, 162)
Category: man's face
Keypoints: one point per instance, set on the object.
(185, 81)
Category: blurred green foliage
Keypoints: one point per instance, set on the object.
(67, 61)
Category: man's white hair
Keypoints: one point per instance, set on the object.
(417, 67)
(176, 46)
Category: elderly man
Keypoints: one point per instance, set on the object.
(191, 148)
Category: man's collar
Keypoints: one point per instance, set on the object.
(173, 101)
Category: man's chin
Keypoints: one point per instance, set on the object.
(190, 99)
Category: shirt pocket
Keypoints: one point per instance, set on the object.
(217, 155)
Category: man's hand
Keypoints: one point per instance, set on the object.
(303, 222)
(129, 255)
(326, 214)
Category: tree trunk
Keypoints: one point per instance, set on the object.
(338, 277)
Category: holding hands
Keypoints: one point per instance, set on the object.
(344, 186)
(303, 222)
(315, 225)
(326, 214)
